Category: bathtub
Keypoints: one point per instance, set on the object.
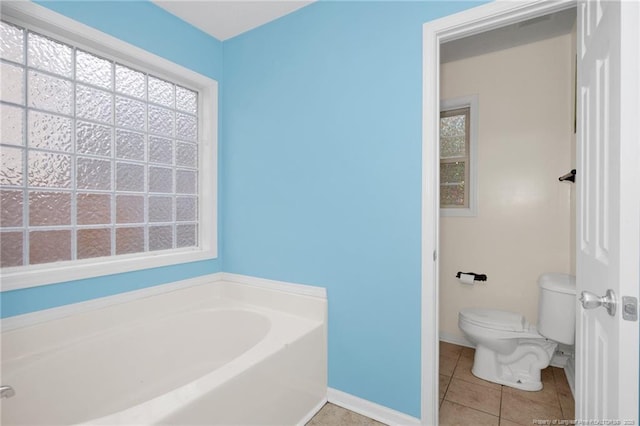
(219, 353)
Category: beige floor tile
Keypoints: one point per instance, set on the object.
(562, 385)
(444, 383)
(568, 406)
(332, 415)
(450, 350)
(547, 376)
(463, 372)
(474, 396)
(505, 422)
(447, 365)
(468, 353)
(565, 396)
(548, 395)
(521, 410)
(455, 414)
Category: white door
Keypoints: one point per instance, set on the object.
(608, 190)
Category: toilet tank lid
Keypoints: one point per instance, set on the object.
(561, 283)
(494, 319)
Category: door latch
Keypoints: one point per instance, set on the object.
(629, 308)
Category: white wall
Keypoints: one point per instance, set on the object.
(523, 227)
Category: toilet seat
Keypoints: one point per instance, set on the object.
(497, 324)
(494, 319)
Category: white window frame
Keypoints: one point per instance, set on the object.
(47, 22)
(470, 102)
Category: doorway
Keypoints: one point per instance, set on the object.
(475, 21)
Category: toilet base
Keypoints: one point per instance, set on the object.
(520, 369)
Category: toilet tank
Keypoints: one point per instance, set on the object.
(557, 307)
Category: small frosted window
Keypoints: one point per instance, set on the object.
(454, 158)
(97, 158)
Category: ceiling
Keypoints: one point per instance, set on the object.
(532, 30)
(224, 19)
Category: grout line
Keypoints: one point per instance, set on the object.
(500, 409)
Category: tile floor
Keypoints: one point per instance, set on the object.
(467, 400)
(332, 415)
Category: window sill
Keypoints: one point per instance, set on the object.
(453, 212)
(51, 273)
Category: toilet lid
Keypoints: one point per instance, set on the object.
(495, 319)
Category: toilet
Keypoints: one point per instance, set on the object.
(509, 350)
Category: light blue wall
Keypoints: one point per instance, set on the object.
(145, 25)
(320, 171)
(322, 174)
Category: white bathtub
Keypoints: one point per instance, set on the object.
(214, 354)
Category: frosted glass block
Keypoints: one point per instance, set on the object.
(186, 100)
(160, 179)
(453, 125)
(11, 162)
(93, 209)
(93, 70)
(453, 146)
(49, 55)
(49, 170)
(50, 93)
(92, 173)
(11, 42)
(11, 205)
(94, 139)
(186, 236)
(129, 240)
(49, 131)
(186, 154)
(130, 82)
(452, 195)
(49, 208)
(93, 104)
(186, 182)
(49, 246)
(452, 172)
(11, 247)
(160, 150)
(129, 177)
(12, 125)
(129, 209)
(161, 121)
(160, 209)
(11, 83)
(186, 209)
(160, 237)
(129, 145)
(130, 113)
(186, 127)
(93, 243)
(161, 92)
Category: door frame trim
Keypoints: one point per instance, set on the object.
(469, 22)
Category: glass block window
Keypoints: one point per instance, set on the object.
(97, 158)
(454, 158)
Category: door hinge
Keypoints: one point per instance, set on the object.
(435, 256)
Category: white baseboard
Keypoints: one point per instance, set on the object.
(370, 409)
(455, 339)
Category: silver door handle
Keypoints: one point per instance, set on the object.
(592, 301)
